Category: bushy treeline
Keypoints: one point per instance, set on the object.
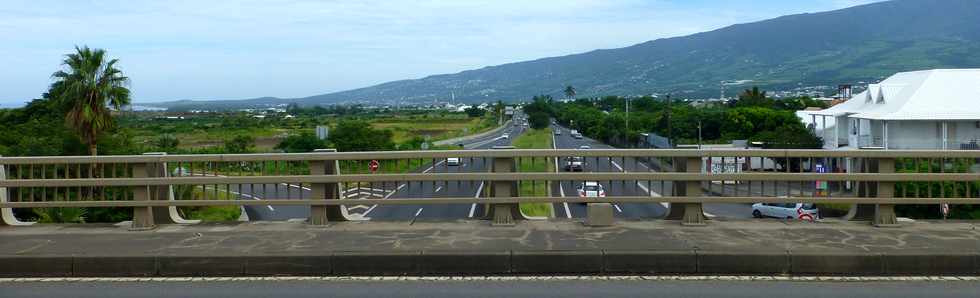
(770, 121)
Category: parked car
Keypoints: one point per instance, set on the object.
(591, 189)
(452, 161)
(786, 210)
(575, 164)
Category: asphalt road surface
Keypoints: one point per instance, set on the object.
(612, 188)
(398, 190)
(393, 190)
(455, 289)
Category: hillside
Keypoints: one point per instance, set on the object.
(862, 43)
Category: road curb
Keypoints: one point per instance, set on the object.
(504, 262)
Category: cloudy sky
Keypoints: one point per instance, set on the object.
(219, 49)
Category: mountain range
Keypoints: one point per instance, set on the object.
(858, 44)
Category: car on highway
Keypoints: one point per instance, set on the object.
(452, 161)
(505, 136)
(591, 189)
(575, 164)
(585, 147)
(575, 134)
(558, 132)
(799, 211)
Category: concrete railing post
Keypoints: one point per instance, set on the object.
(167, 214)
(322, 214)
(142, 216)
(884, 215)
(504, 214)
(690, 214)
(864, 189)
(7, 214)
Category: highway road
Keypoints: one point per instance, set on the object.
(390, 190)
(613, 188)
(400, 190)
(594, 287)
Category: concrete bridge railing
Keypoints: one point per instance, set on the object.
(154, 185)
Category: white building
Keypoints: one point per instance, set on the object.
(929, 109)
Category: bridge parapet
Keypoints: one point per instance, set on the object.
(874, 181)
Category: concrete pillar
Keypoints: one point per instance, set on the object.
(142, 216)
(321, 214)
(884, 215)
(7, 214)
(504, 214)
(690, 214)
(167, 214)
(864, 189)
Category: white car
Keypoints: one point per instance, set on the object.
(558, 132)
(591, 189)
(452, 161)
(799, 211)
(505, 136)
(585, 147)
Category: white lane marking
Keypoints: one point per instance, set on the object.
(427, 170)
(643, 165)
(438, 188)
(418, 212)
(385, 198)
(687, 278)
(617, 165)
(295, 186)
(617, 208)
(561, 189)
(241, 194)
(477, 195)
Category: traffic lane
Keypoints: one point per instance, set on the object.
(612, 188)
(275, 192)
(445, 189)
(281, 191)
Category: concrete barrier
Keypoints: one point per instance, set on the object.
(481, 263)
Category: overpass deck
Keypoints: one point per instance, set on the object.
(468, 247)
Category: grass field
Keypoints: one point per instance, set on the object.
(406, 128)
(535, 139)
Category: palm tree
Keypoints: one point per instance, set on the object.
(570, 92)
(88, 85)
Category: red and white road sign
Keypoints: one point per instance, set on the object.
(373, 166)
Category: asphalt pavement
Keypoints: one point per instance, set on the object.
(530, 288)
(653, 189)
(393, 190)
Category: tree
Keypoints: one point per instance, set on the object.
(87, 87)
(240, 144)
(166, 142)
(752, 98)
(570, 92)
(304, 142)
(475, 112)
(537, 120)
(357, 135)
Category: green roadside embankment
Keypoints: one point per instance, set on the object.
(535, 139)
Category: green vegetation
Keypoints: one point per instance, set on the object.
(766, 120)
(535, 139)
(89, 83)
(936, 189)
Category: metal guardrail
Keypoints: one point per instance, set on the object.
(147, 182)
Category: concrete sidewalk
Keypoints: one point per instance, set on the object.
(475, 248)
